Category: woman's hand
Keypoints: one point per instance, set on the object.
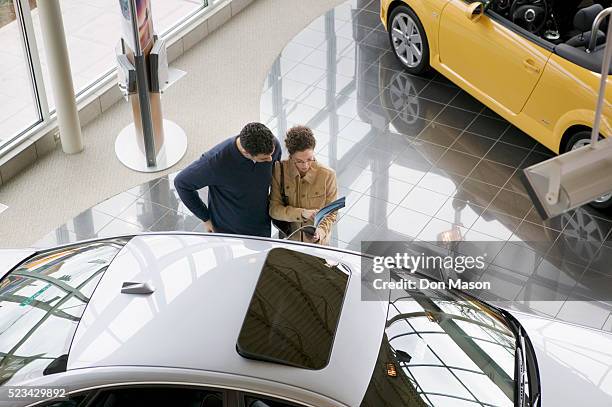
(316, 237)
(309, 213)
(312, 238)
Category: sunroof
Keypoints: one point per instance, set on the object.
(294, 311)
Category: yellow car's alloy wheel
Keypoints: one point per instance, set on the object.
(407, 40)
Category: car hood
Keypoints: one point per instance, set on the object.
(9, 258)
(575, 362)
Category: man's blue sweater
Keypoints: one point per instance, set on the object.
(238, 189)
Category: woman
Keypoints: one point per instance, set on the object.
(309, 186)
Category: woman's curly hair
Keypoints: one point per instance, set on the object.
(299, 138)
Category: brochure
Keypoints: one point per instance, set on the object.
(321, 214)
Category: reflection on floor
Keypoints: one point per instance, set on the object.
(416, 157)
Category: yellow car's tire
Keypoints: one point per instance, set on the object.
(578, 140)
(408, 40)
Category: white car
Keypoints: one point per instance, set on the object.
(217, 320)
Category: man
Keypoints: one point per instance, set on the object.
(238, 173)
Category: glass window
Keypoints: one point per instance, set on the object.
(453, 351)
(294, 311)
(257, 401)
(158, 396)
(19, 106)
(93, 29)
(168, 13)
(42, 302)
(73, 401)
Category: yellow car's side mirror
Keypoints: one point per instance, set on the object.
(474, 11)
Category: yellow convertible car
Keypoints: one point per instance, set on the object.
(537, 63)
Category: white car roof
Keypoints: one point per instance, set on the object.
(203, 286)
(9, 258)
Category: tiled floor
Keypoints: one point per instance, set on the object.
(415, 157)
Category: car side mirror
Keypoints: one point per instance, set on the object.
(475, 10)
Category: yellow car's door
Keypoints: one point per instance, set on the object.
(489, 60)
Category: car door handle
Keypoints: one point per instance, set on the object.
(530, 65)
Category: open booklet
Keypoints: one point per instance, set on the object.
(321, 214)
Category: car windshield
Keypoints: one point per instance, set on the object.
(440, 349)
(41, 304)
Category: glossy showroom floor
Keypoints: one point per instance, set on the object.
(415, 157)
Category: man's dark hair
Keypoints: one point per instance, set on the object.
(257, 139)
(300, 138)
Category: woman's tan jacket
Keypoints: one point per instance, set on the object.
(313, 191)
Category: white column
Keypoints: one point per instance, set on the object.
(61, 76)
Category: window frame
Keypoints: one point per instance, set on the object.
(23, 19)
(244, 394)
(232, 397)
(93, 393)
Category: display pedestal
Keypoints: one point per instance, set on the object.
(130, 149)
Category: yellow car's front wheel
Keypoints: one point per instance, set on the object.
(408, 40)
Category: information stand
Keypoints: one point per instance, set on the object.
(150, 143)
